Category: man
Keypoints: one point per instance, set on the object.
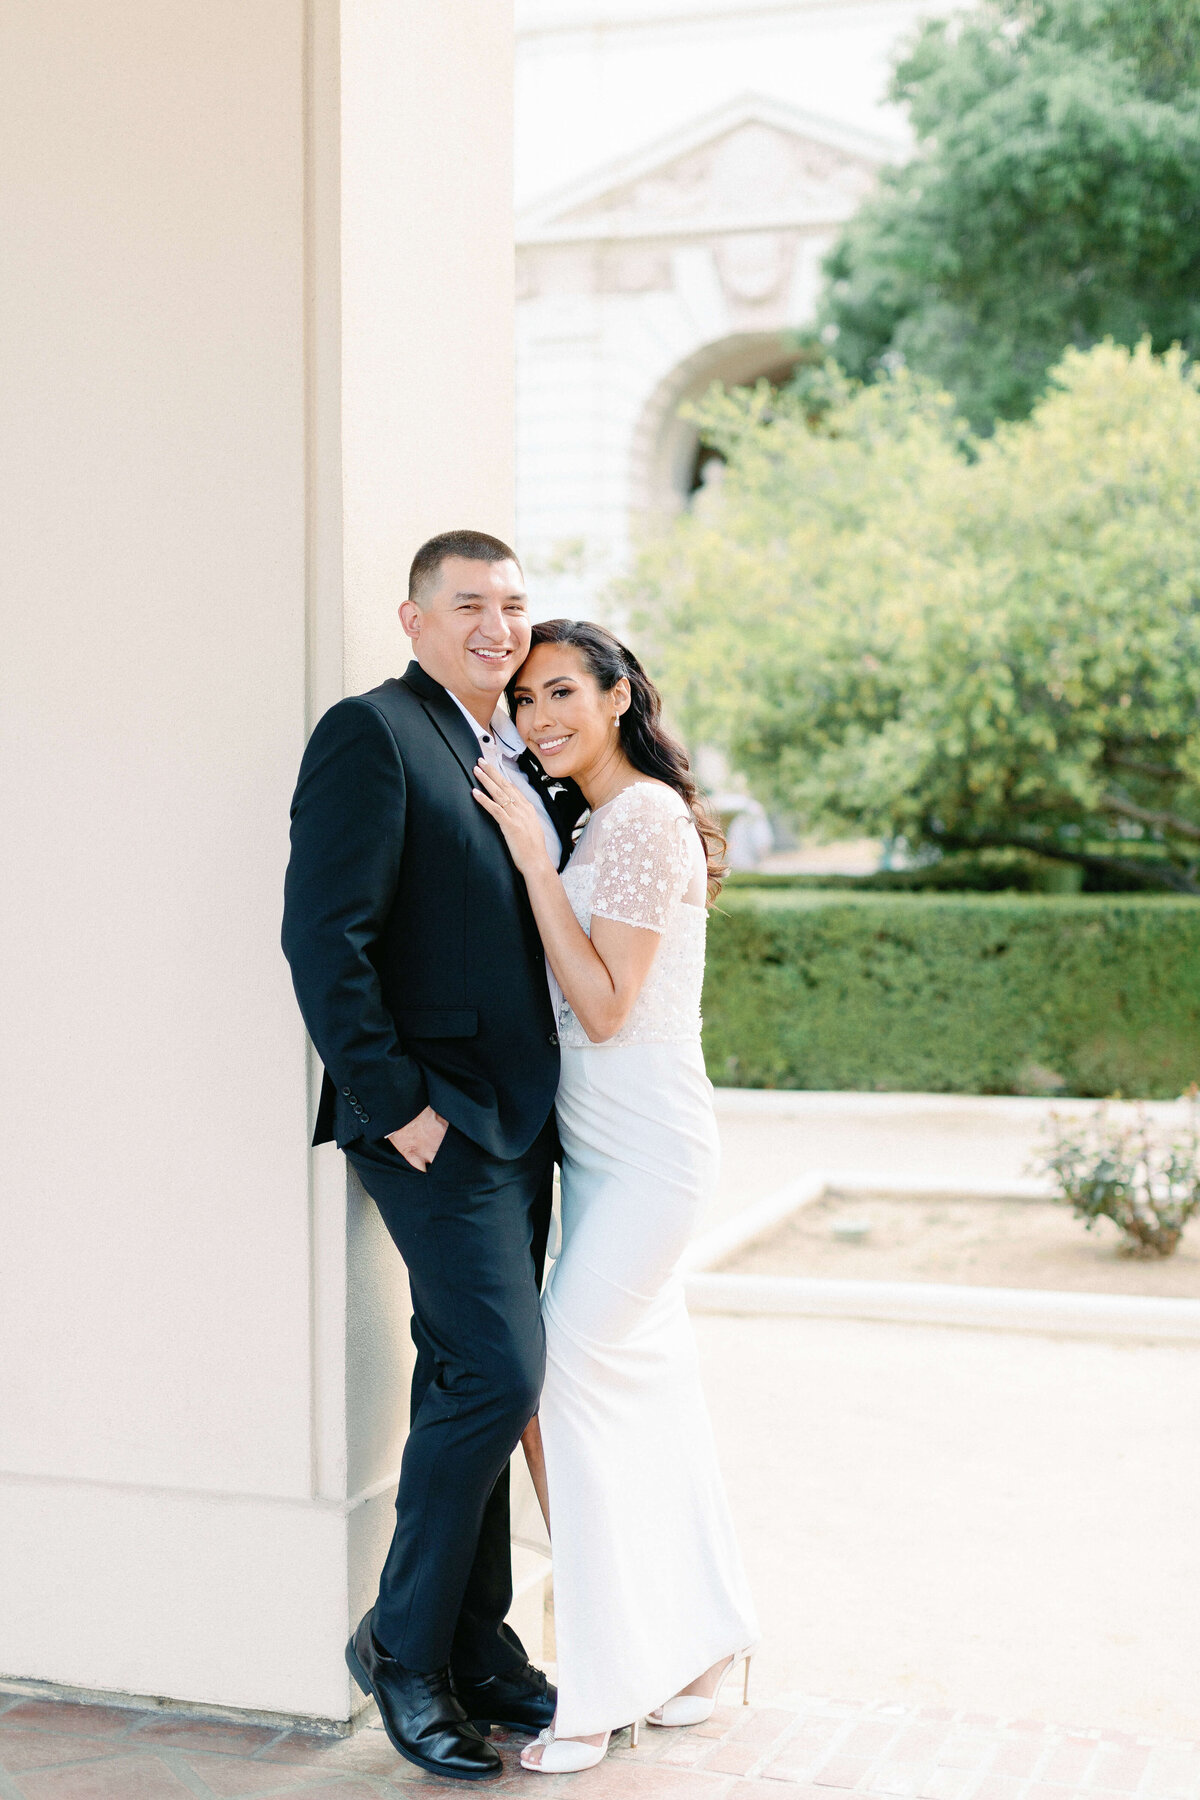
(422, 981)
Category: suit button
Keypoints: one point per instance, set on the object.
(554, 1037)
(346, 1091)
(365, 1117)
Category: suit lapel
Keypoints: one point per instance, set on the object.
(561, 798)
(446, 717)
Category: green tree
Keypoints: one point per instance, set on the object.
(999, 648)
(1053, 200)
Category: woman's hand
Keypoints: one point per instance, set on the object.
(600, 975)
(516, 816)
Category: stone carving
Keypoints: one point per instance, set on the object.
(754, 171)
(750, 183)
(754, 265)
(634, 269)
(590, 269)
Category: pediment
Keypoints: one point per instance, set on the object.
(753, 165)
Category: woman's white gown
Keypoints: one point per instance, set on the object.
(649, 1589)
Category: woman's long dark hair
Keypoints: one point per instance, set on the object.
(651, 749)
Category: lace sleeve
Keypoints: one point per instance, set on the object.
(642, 858)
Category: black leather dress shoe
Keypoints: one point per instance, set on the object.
(524, 1701)
(423, 1720)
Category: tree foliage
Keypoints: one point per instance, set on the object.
(896, 629)
(1054, 200)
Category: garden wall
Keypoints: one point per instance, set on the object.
(963, 993)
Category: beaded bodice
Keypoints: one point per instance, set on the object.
(640, 862)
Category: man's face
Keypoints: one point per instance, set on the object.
(472, 630)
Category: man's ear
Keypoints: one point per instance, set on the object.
(410, 619)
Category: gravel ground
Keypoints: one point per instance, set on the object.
(988, 1243)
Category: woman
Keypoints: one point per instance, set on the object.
(651, 1607)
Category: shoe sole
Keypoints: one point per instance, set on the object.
(421, 1762)
(484, 1726)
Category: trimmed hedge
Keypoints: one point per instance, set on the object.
(964, 993)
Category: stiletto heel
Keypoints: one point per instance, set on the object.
(570, 1756)
(694, 1709)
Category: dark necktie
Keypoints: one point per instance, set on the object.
(560, 796)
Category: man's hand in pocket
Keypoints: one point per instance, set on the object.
(420, 1140)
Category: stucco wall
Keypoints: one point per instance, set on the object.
(257, 342)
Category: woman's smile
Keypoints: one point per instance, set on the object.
(567, 719)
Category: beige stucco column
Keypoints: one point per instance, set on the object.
(256, 339)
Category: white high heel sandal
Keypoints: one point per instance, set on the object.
(568, 1756)
(693, 1709)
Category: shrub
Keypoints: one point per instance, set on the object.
(1123, 1170)
(964, 993)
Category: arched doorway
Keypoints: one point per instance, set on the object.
(667, 457)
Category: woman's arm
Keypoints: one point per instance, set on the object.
(600, 976)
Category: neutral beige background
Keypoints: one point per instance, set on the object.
(256, 343)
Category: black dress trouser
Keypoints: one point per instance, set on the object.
(472, 1231)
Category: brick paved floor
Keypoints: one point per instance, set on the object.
(799, 1749)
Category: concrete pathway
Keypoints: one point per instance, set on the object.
(949, 1516)
(983, 1545)
(943, 1514)
(809, 1748)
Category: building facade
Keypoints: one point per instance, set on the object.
(683, 166)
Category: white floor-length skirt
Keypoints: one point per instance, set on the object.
(649, 1589)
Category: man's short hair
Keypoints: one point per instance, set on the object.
(476, 546)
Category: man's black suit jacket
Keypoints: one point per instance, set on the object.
(413, 949)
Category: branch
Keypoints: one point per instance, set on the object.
(1153, 875)
(1154, 771)
(1160, 821)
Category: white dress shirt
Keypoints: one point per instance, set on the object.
(501, 744)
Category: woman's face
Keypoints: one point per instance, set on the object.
(563, 714)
